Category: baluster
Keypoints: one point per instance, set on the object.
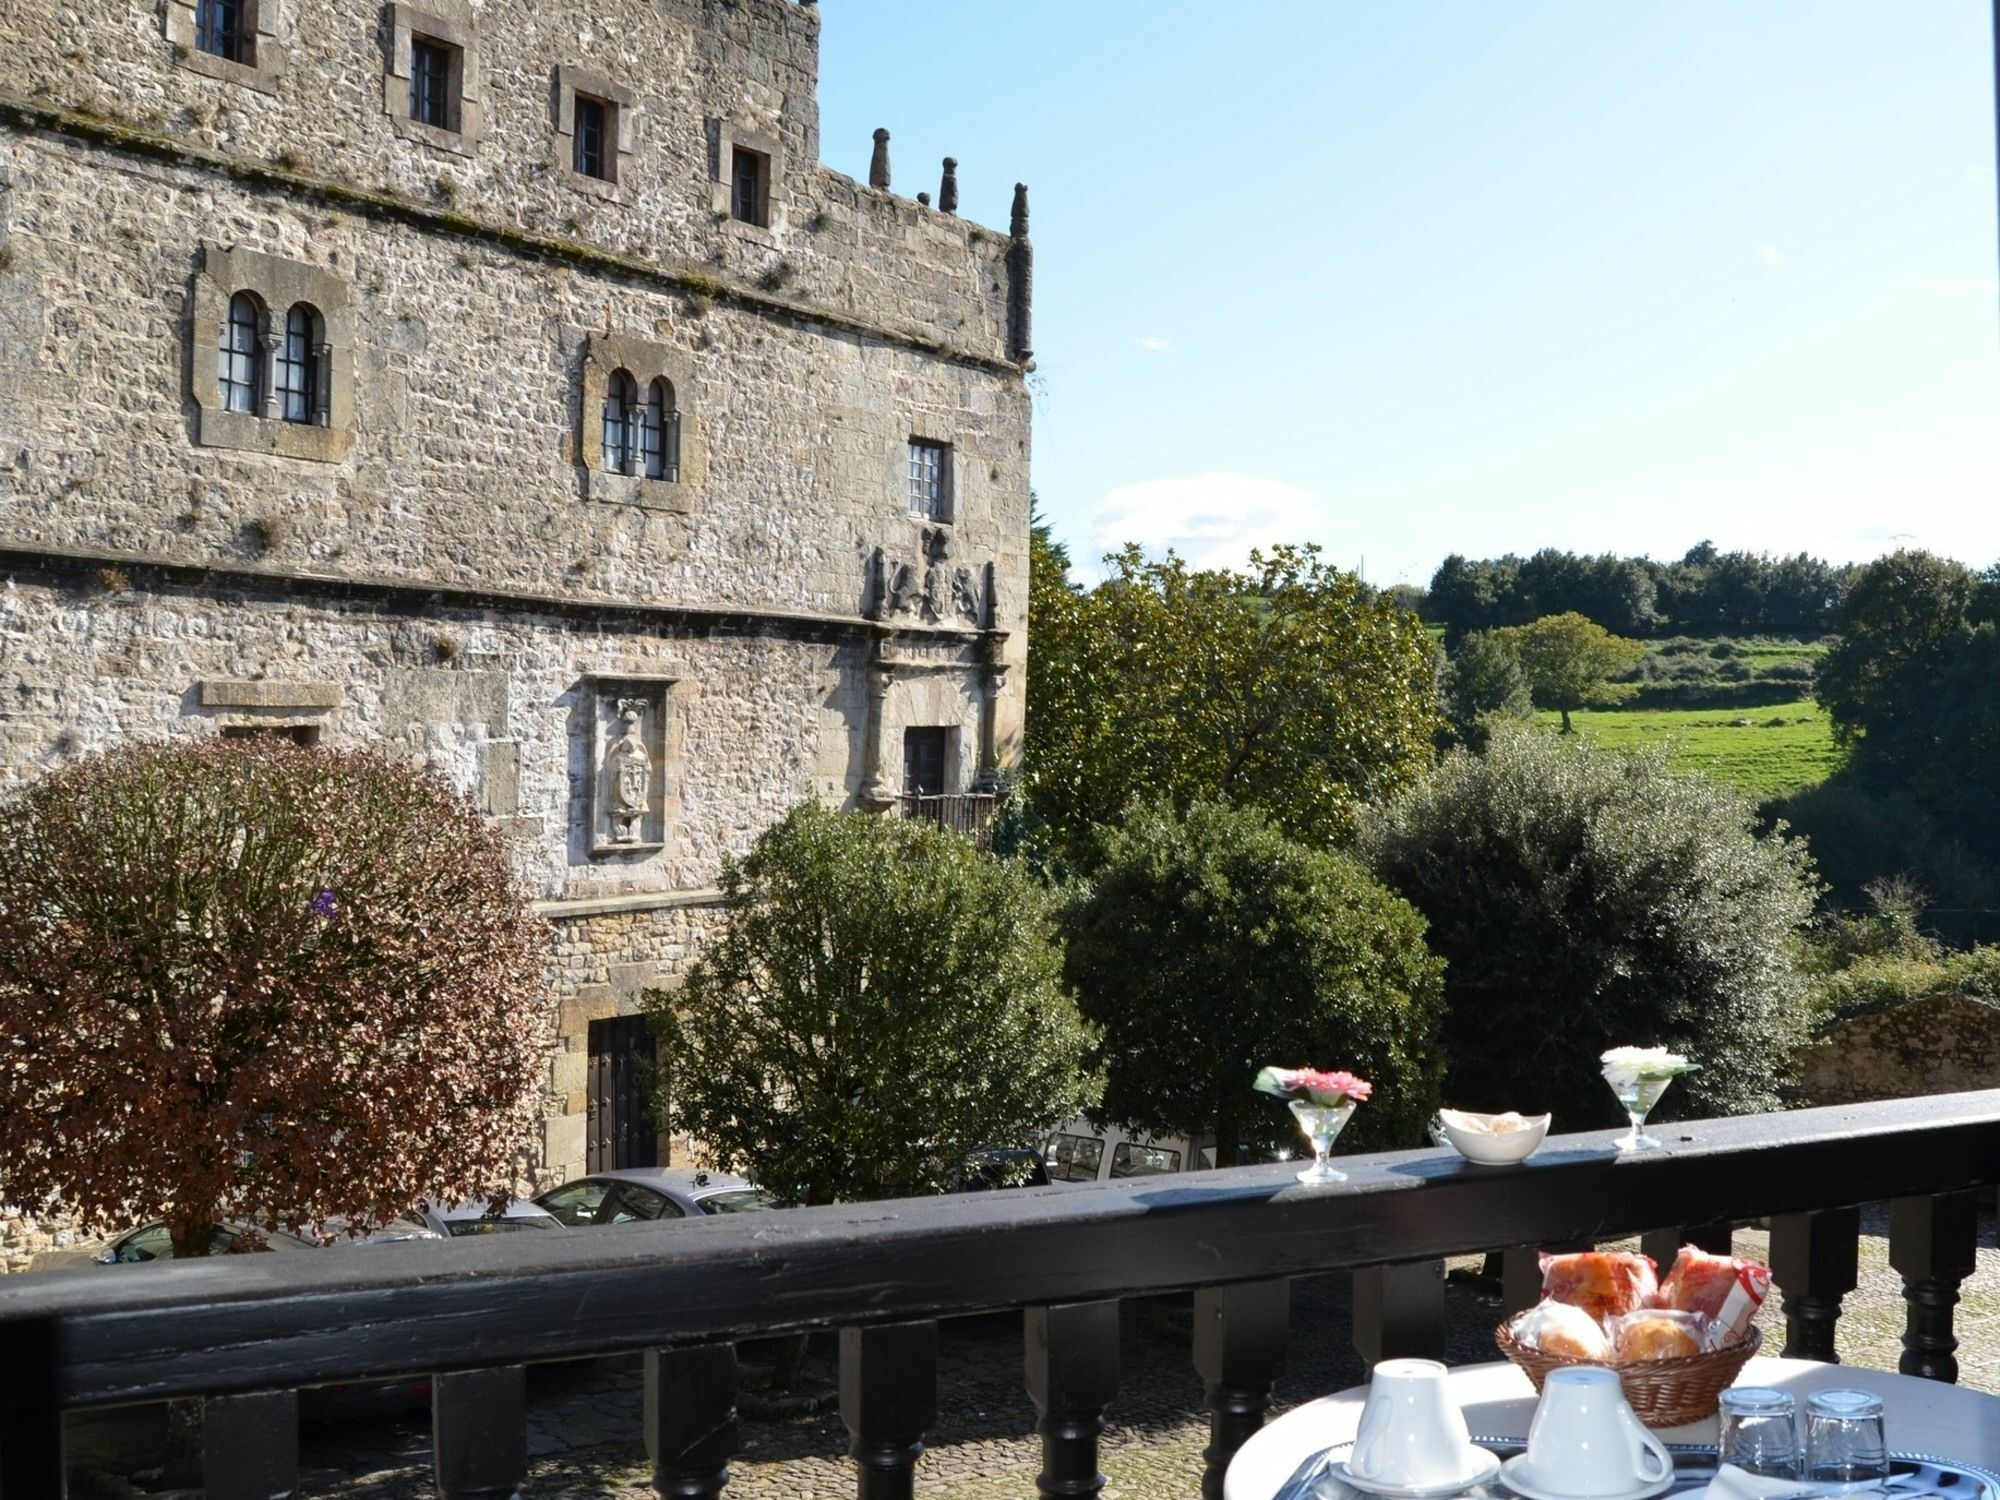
(250, 1446)
(31, 1451)
(1520, 1278)
(1814, 1260)
(1239, 1350)
(479, 1433)
(1399, 1311)
(1717, 1238)
(691, 1419)
(1072, 1360)
(888, 1399)
(1932, 1244)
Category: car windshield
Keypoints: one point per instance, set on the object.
(460, 1228)
(738, 1201)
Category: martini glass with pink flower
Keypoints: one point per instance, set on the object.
(1638, 1076)
(1322, 1103)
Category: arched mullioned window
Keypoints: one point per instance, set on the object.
(236, 361)
(621, 422)
(298, 365)
(660, 433)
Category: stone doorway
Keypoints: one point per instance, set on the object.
(620, 1131)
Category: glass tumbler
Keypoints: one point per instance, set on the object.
(1845, 1443)
(1759, 1432)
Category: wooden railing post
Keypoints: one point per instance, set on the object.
(1239, 1351)
(1399, 1311)
(1932, 1244)
(250, 1446)
(479, 1433)
(31, 1448)
(888, 1399)
(1072, 1369)
(1815, 1261)
(691, 1419)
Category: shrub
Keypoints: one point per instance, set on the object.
(1211, 945)
(883, 999)
(1585, 899)
(260, 982)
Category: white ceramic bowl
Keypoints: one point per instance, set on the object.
(1462, 1129)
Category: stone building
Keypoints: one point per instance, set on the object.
(507, 384)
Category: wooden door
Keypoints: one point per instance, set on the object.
(623, 1073)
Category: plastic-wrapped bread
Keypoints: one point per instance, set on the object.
(1656, 1333)
(1725, 1289)
(1604, 1283)
(1557, 1328)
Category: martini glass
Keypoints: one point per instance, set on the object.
(1320, 1123)
(1637, 1094)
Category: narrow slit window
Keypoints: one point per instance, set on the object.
(749, 179)
(222, 29)
(298, 365)
(593, 126)
(930, 480)
(430, 84)
(621, 420)
(236, 363)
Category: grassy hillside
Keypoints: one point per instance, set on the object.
(1765, 751)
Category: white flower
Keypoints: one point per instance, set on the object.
(1630, 1064)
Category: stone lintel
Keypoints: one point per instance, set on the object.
(261, 694)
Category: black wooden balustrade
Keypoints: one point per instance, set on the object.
(247, 1332)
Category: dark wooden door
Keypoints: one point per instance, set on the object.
(623, 1073)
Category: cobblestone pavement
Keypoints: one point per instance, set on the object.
(584, 1419)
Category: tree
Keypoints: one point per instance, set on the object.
(1569, 660)
(1584, 899)
(1484, 676)
(261, 983)
(882, 1000)
(1290, 687)
(1210, 945)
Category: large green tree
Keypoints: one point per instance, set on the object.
(1210, 945)
(1569, 661)
(882, 1000)
(1291, 686)
(1484, 676)
(1584, 899)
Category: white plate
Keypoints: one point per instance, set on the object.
(1488, 1467)
(1510, 1469)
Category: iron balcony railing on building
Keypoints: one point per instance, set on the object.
(247, 1333)
(969, 813)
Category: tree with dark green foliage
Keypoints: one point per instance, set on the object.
(1210, 945)
(1484, 677)
(882, 1000)
(1292, 686)
(1586, 899)
(1569, 662)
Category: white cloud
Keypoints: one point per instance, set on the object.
(1155, 345)
(1771, 255)
(1213, 520)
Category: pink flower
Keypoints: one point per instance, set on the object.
(1311, 1083)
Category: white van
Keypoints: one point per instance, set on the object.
(1083, 1152)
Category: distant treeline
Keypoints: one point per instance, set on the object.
(1706, 592)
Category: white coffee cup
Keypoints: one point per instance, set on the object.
(1412, 1434)
(1586, 1440)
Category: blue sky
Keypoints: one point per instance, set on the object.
(1477, 276)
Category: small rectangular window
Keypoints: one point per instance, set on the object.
(1074, 1158)
(431, 94)
(1131, 1160)
(222, 28)
(749, 187)
(923, 762)
(594, 120)
(930, 480)
(298, 734)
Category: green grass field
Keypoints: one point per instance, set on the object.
(1764, 751)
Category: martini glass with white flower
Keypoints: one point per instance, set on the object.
(1322, 1103)
(1639, 1076)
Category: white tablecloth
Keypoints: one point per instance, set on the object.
(1921, 1416)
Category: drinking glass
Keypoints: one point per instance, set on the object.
(1320, 1123)
(1758, 1433)
(1637, 1094)
(1844, 1438)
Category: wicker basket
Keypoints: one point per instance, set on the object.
(1664, 1392)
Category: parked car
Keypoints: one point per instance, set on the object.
(1002, 1167)
(1083, 1152)
(477, 1216)
(633, 1194)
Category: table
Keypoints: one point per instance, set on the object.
(1921, 1416)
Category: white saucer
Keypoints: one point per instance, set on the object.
(1489, 1466)
(1512, 1468)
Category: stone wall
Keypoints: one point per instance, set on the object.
(1944, 1044)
